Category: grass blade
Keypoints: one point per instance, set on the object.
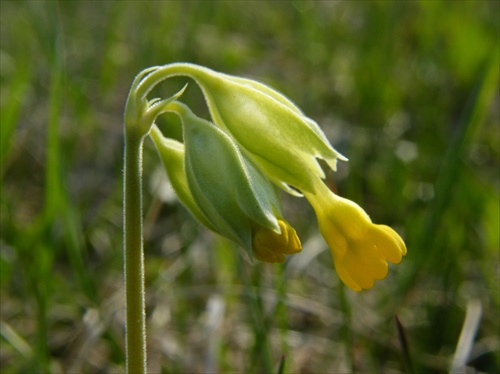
(403, 340)
(466, 340)
(281, 367)
(10, 112)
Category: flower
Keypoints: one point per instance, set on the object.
(223, 189)
(269, 246)
(257, 136)
(360, 248)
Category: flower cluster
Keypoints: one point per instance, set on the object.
(227, 171)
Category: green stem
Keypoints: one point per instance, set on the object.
(135, 324)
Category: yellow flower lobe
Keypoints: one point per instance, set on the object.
(270, 246)
(360, 248)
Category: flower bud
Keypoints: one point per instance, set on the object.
(269, 246)
(222, 188)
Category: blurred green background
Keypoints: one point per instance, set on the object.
(407, 90)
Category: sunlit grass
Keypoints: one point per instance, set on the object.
(408, 91)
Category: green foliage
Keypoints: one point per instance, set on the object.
(408, 91)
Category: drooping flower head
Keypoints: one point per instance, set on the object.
(262, 136)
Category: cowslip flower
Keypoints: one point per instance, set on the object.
(223, 189)
(286, 145)
(360, 248)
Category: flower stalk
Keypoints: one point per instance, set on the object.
(137, 122)
(135, 319)
(139, 117)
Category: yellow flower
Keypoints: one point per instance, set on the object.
(258, 136)
(269, 246)
(360, 248)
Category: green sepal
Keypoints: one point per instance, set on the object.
(172, 154)
(223, 189)
(228, 188)
(284, 142)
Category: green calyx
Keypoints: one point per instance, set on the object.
(267, 126)
(224, 189)
(172, 154)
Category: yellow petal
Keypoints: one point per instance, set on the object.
(360, 249)
(388, 243)
(346, 278)
(270, 246)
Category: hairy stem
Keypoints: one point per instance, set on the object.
(135, 324)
